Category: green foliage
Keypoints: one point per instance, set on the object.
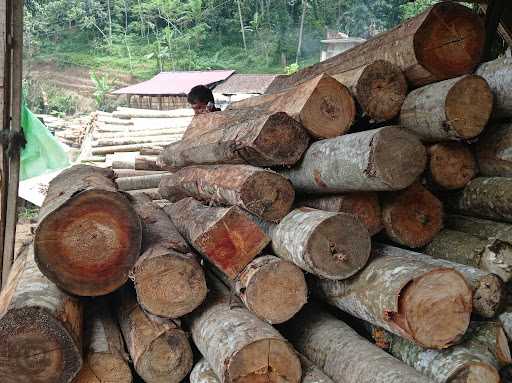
(291, 69)
(42, 97)
(103, 85)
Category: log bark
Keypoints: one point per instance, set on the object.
(124, 173)
(261, 192)
(493, 255)
(493, 151)
(88, 235)
(166, 138)
(412, 217)
(137, 163)
(455, 109)
(159, 348)
(498, 74)
(364, 206)
(488, 288)
(105, 357)
(227, 237)
(154, 194)
(344, 355)
(130, 148)
(239, 346)
(451, 165)
(152, 150)
(254, 139)
(388, 158)
(481, 228)
(445, 41)
(322, 105)
(40, 327)
(150, 181)
(168, 279)
(427, 304)
(329, 245)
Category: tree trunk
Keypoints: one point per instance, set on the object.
(153, 193)
(364, 206)
(322, 105)
(427, 304)
(130, 148)
(455, 109)
(146, 163)
(412, 217)
(261, 192)
(255, 139)
(227, 237)
(102, 142)
(168, 280)
(239, 346)
(488, 289)
(493, 151)
(271, 288)
(158, 347)
(445, 41)
(105, 357)
(151, 150)
(388, 158)
(329, 245)
(481, 228)
(124, 173)
(40, 327)
(498, 74)
(88, 236)
(451, 165)
(344, 355)
(150, 181)
(493, 255)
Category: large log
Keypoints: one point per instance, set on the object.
(153, 193)
(168, 279)
(88, 235)
(453, 109)
(329, 245)
(493, 255)
(254, 138)
(412, 217)
(344, 355)
(445, 41)
(451, 165)
(478, 227)
(388, 158)
(498, 74)
(427, 304)
(227, 237)
(150, 181)
(40, 327)
(364, 206)
(261, 192)
(488, 288)
(105, 359)
(493, 151)
(239, 346)
(158, 347)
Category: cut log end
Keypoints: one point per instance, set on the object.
(488, 296)
(103, 367)
(476, 372)
(452, 165)
(265, 361)
(435, 308)
(100, 245)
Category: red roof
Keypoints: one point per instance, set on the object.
(175, 83)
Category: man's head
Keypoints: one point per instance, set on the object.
(199, 97)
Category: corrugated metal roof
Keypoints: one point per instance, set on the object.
(246, 83)
(175, 83)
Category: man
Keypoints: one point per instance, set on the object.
(201, 99)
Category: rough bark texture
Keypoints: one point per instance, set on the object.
(158, 347)
(478, 227)
(364, 206)
(102, 142)
(412, 217)
(238, 346)
(227, 237)
(488, 289)
(123, 173)
(388, 158)
(40, 327)
(137, 163)
(498, 74)
(329, 245)
(140, 182)
(493, 151)
(445, 41)
(428, 304)
(451, 165)
(254, 138)
(169, 281)
(154, 194)
(261, 192)
(88, 236)
(493, 255)
(454, 109)
(344, 355)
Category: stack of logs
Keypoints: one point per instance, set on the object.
(381, 191)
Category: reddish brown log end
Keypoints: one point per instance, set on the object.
(452, 165)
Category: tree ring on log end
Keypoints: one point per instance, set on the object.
(108, 368)
(452, 165)
(475, 372)
(88, 246)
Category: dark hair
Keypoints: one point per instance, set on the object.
(200, 93)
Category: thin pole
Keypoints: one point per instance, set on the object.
(241, 24)
(304, 4)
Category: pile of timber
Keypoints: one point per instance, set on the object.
(69, 130)
(352, 226)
